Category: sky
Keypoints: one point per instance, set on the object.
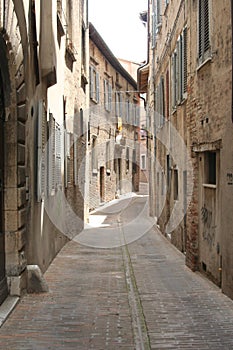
(118, 22)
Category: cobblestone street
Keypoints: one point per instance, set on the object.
(136, 296)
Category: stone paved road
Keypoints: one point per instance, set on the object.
(139, 296)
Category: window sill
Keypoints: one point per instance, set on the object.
(209, 186)
(94, 172)
(207, 60)
(94, 100)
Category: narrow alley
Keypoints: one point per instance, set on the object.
(131, 296)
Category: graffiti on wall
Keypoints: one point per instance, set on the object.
(209, 229)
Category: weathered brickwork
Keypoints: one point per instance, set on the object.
(191, 78)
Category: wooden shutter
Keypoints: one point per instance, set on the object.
(173, 80)
(109, 97)
(105, 95)
(167, 94)
(161, 101)
(58, 148)
(75, 161)
(97, 87)
(178, 70)
(158, 12)
(91, 83)
(41, 151)
(117, 104)
(51, 156)
(184, 62)
(204, 30)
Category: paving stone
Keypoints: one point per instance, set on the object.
(87, 306)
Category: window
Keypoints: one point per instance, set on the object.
(81, 122)
(127, 159)
(179, 70)
(168, 170)
(143, 162)
(210, 168)
(107, 95)
(159, 104)
(134, 167)
(41, 148)
(203, 30)
(175, 184)
(75, 151)
(156, 20)
(68, 163)
(94, 85)
(119, 104)
(51, 183)
(128, 116)
(108, 160)
(94, 155)
(58, 154)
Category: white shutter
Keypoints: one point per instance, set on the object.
(58, 154)
(75, 161)
(66, 159)
(41, 147)
(51, 156)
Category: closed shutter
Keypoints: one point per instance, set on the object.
(178, 70)
(204, 30)
(58, 148)
(41, 154)
(91, 83)
(117, 104)
(174, 77)
(97, 87)
(109, 97)
(51, 156)
(158, 12)
(105, 95)
(185, 62)
(75, 161)
(161, 101)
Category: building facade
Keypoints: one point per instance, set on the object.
(188, 83)
(132, 69)
(36, 38)
(113, 126)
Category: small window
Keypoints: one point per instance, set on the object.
(176, 185)
(134, 169)
(94, 155)
(108, 158)
(210, 168)
(81, 122)
(127, 159)
(143, 162)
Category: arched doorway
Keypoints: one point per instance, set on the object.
(3, 280)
